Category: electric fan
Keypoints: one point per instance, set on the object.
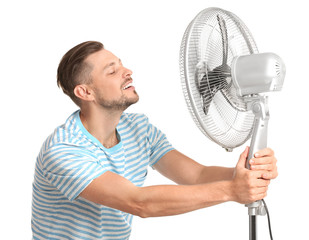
(225, 82)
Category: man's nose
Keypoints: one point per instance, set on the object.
(127, 72)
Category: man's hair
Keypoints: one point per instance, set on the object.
(73, 70)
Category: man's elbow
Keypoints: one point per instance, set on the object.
(141, 209)
(142, 205)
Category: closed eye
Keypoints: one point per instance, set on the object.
(111, 66)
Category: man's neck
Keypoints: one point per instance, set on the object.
(101, 124)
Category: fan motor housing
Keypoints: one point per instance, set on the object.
(257, 73)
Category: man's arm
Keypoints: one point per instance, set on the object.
(117, 192)
(184, 170)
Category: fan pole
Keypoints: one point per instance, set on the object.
(258, 141)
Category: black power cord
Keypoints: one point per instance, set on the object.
(268, 217)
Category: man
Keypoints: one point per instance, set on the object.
(90, 172)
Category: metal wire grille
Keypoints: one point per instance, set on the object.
(226, 120)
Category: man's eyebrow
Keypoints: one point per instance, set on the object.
(111, 64)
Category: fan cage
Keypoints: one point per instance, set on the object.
(224, 124)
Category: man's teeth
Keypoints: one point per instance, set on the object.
(127, 86)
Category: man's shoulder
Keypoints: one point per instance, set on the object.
(133, 121)
(67, 134)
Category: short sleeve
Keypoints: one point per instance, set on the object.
(159, 145)
(70, 169)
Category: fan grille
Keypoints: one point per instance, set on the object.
(227, 120)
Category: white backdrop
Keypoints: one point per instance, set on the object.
(146, 35)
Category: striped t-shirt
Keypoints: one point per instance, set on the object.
(71, 158)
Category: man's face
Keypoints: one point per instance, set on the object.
(111, 81)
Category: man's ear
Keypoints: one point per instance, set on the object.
(83, 92)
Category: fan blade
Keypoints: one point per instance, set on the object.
(212, 82)
(245, 34)
(223, 30)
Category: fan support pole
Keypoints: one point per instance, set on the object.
(258, 141)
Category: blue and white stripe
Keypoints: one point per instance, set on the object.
(70, 159)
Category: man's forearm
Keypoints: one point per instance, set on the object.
(184, 170)
(165, 200)
(213, 174)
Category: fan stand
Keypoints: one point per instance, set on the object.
(259, 106)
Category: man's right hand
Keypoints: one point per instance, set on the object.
(248, 185)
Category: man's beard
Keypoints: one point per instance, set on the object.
(120, 104)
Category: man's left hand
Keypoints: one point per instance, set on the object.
(264, 160)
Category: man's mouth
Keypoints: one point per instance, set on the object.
(128, 86)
